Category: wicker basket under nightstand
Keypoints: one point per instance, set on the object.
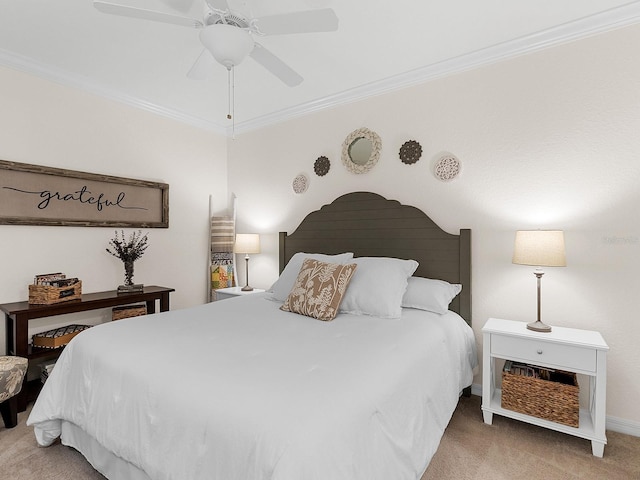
(547, 399)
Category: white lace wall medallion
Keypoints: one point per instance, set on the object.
(447, 168)
(300, 184)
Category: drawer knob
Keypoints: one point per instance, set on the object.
(539, 351)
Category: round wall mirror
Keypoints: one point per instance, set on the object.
(361, 150)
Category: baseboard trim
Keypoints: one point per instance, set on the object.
(621, 425)
(615, 424)
(476, 389)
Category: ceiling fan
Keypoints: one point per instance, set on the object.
(229, 36)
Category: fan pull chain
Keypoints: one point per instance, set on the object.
(229, 93)
(231, 107)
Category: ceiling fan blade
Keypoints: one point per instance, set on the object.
(203, 67)
(220, 5)
(276, 66)
(323, 20)
(126, 11)
(180, 5)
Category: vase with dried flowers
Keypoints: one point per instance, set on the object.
(128, 251)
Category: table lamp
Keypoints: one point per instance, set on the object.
(247, 243)
(539, 248)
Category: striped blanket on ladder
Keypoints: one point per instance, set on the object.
(222, 257)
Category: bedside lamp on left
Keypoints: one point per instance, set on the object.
(247, 243)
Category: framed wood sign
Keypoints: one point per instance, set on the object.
(36, 195)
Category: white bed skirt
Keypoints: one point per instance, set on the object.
(108, 464)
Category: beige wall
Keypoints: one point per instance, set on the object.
(547, 140)
(44, 123)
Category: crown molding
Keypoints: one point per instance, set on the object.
(608, 20)
(614, 18)
(64, 78)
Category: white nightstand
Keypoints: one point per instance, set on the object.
(579, 351)
(224, 293)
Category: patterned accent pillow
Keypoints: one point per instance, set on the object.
(319, 288)
(282, 287)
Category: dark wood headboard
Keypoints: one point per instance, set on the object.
(369, 225)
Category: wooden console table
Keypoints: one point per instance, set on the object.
(18, 315)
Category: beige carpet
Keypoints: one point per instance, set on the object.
(22, 459)
(512, 450)
(506, 450)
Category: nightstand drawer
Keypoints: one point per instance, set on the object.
(536, 351)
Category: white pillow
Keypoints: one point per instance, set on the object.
(429, 294)
(377, 286)
(282, 287)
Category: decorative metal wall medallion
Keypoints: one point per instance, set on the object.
(447, 168)
(410, 152)
(300, 184)
(321, 166)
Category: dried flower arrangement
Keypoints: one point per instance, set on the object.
(128, 251)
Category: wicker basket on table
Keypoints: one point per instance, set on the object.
(47, 295)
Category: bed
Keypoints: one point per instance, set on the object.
(255, 392)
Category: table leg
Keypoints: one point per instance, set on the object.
(597, 448)
(151, 306)
(18, 345)
(599, 404)
(488, 385)
(164, 302)
(487, 417)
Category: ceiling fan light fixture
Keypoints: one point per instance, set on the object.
(229, 45)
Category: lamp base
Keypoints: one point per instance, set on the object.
(539, 327)
(247, 288)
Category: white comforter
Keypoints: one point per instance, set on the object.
(239, 390)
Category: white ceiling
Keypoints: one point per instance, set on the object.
(379, 46)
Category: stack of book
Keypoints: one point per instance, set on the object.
(58, 280)
(534, 371)
(524, 370)
(45, 370)
(135, 288)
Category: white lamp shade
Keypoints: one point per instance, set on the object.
(247, 243)
(539, 248)
(229, 45)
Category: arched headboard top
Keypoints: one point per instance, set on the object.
(369, 225)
